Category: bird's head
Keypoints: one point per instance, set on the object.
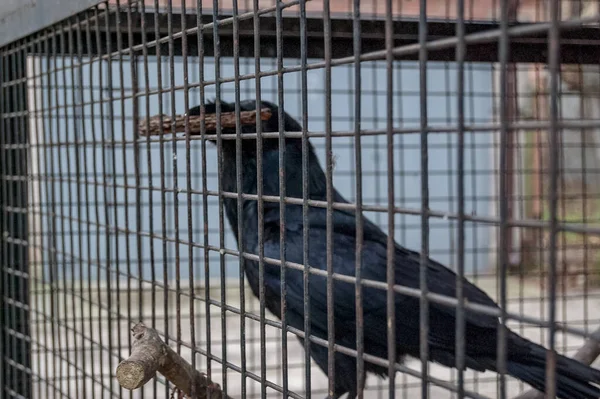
(270, 148)
(270, 125)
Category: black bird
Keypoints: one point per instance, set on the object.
(525, 359)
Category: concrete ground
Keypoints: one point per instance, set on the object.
(77, 347)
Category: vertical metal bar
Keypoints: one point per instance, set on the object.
(135, 108)
(553, 66)
(473, 193)
(69, 203)
(563, 241)
(163, 199)
(38, 274)
(97, 145)
(537, 182)
(503, 166)
(402, 197)
(20, 286)
(105, 174)
(27, 261)
(424, 302)
(14, 228)
(391, 244)
(240, 201)
(541, 187)
(38, 207)
(105, 193)
(8, 287)
(14, 225)
(585, 216)
(12, 193)
(250, 335)
(511, 111)
(43, 48)
(57, 208)
(112, 167)
(4, 350)
(149, 166)
(188, 175)
(12, 222)
(75, 51)
(360, 320)
(134, 67)
(200, 310)
(3, 223)
(460, 248)
(89, 201)
(51, 51)
(15, 196)
(209, 355)
(20, 262)
(282, 194)
(42, 358)
(15, 269)
(374, 69)
(125, 181)
(260, 203)
(133, 70)
(452, 197)
(305, 194)
(14, 201)
(175, 173)
(217, 48)
(526, 180)
(75, 255)
(329, 197)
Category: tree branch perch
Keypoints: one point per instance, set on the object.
(586, 355)
(150, 354)
(152, 125)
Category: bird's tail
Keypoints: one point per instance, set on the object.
(574, 380)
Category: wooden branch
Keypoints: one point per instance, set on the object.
(150, 354)
(152, 125)
(586, 355)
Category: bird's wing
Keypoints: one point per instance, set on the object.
(441, 280)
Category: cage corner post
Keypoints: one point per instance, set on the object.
(15, 345)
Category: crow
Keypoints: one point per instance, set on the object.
(525, 359)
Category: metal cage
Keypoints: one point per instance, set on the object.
(466, 130)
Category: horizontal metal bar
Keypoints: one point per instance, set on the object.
(579, 43)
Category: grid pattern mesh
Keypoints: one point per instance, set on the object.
(491, 168)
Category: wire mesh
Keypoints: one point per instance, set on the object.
(464, 130)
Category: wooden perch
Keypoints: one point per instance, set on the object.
(586, 355)
(150, 354)
(152, 125)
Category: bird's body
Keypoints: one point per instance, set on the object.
(525, 360)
